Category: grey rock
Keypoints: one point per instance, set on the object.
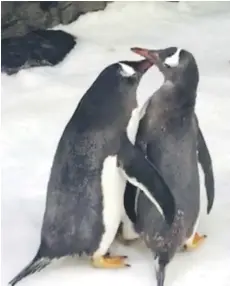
(18, 17)
(36, 48)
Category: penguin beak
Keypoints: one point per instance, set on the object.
(143, 66)
(151, 55)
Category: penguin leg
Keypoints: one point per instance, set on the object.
(126, 233)
(194, 242)
(126, 241)
(109, 262)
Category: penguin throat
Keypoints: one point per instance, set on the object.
(133, 124)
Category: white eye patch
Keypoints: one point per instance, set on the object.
(126, 71)
(173, 61)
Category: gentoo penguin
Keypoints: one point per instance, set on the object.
(167, 135)
(86, 186)
(127, 232)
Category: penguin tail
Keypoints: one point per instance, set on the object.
(37, 264)
(160, 270)
(161, 261)
(161, 275)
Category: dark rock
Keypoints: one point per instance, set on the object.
(72, 10)
(25, 43)
(37, 48)
(20, 17)
(46, 5)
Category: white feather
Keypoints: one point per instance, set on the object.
(136, 200)
(173, 60)
(139, 185)
(128, 231)
(156, 264)
(134, 121)
(127, 71)
(113, 185)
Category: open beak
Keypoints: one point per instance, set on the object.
(148, 54)
(144, 65)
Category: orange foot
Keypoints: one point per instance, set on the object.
(110, 262)
(196, 242)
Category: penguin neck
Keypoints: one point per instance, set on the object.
(178, 97)
(184, 76)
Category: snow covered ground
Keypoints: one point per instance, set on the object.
(37, 103)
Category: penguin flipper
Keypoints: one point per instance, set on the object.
(129, 201)
(35, 265)
(206, 163)
(143, 174)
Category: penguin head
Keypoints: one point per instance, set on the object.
(123, 75)
(177, 65)
(126, 71)
(119, 81)
(132, 71)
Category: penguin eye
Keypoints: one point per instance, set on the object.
(167, 66)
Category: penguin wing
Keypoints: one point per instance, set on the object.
(205, 161)
(206, 164)
(140, 172)
(129, 201)
(131, 190)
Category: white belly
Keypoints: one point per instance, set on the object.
(113, 184)
(128, 231)
(113, 187)
(134, 121)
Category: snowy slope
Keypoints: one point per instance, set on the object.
(37, 103)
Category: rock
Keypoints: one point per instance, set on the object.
(71, 10)
(37, 48)
(20, 17)
(26, 43)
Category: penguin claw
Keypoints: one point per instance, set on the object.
(196, 242)
(107, 253)
(109, 262)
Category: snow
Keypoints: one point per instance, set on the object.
(37, 103)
